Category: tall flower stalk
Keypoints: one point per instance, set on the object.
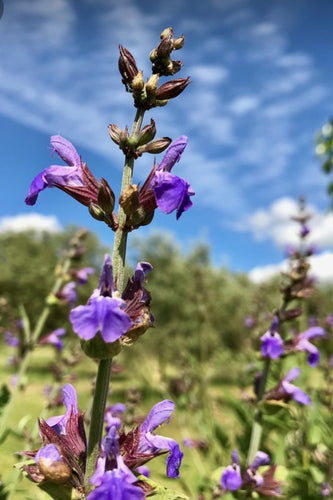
(116, 314)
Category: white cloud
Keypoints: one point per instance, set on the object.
(274, 223)
(208, 74)
(29, 222)
(321, 269)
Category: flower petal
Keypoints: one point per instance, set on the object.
(159, 413)
(173, 154)
(65, 150)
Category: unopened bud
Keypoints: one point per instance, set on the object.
(123, 137)
(167, 32)
(147, 133)
(114, 132)
(155, 147)
(129, 199)
(54, 471)
(172, 89)
(127, 67)
(138, 82)
(151, 84)
(178, 42)
(106, 197)
(140, 217)
(96, 212)
(165, 48)
(153, 55)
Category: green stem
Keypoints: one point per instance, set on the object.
(257, 426)
(104, 369)
(97, 416)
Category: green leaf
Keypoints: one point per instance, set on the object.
(56, 491)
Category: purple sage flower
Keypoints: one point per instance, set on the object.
(75, 179)
(271, 341)
(165, 190)
(301, 343)
(151, 443)
(53, 338)
(70, 401)
(104, 311)
(252, 476)
(141, 444)
(231, 479)
(286, 391)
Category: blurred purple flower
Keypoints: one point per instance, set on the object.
(68, 293)
(143, 470)
(271, 341)
(286, 391)
(301, 343)
(329, 320)
(252, 476)
(53, 338)
(326, 490)
(104, 311)
(112, 415)
(11, 339)
(249, 322)
(82, 275)
(231, 479)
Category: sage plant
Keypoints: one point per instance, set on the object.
(117, 313)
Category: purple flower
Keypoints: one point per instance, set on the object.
(68, 293)
(271, 341)
(57, 175)
(75, 179)
(172, 192)
(231, 478)
(271, 345)
(151, 443)
(49, 452)
(70, 401)
(249, 322)
(301, 343)
(104, 311)
(11, 339)
(112, 415)
(252, 475)
(53, 338)
(82, 274)
(165, 190)
(115, 486)
(141, 444)
(286, 391)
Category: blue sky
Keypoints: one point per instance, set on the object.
(261, 88)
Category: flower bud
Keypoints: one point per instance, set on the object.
(54, 471)
(176, 66)
(114, 132)
(138, 82)
(140, 218)
(155, 147)
(96, 212)
(127, 67)
(106, 197)
(147, 133)
(172, 89)
(129, 199)
(165, 48)
(153, 55)
(151, 84)
(167, 32)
